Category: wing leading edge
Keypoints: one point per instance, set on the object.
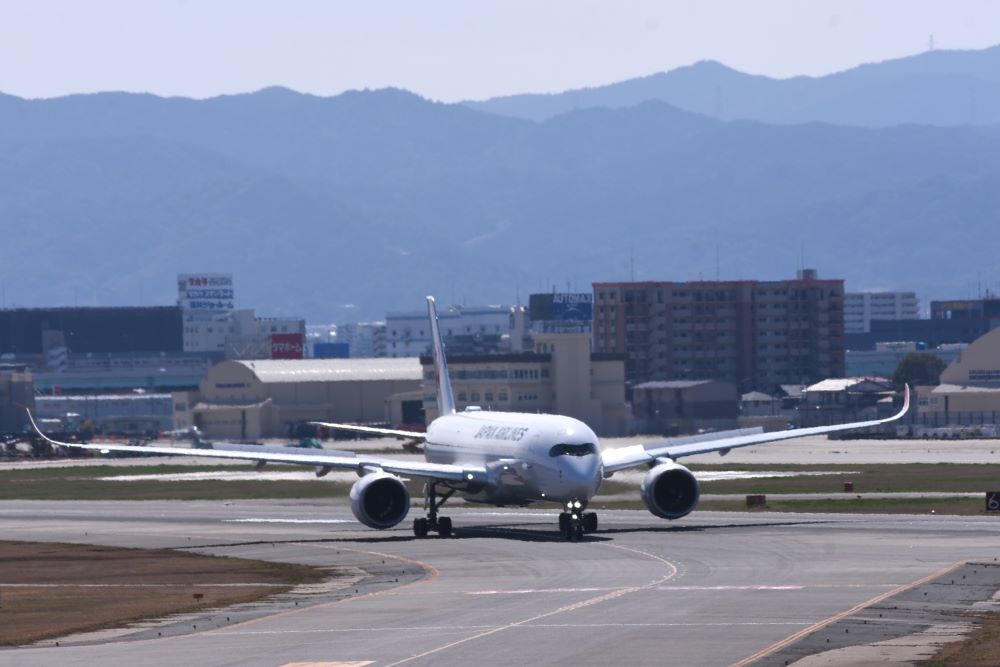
(337, 460)
(628, 457)
(374, 430)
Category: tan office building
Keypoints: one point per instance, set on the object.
(248, 400)
(561, 376)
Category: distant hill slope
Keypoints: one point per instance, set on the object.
(932, 88)
(377, 198)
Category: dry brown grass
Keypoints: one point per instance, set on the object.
(980, 649)
(51, 590)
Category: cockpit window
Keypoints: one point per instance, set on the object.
(573, 450)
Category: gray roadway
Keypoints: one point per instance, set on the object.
(711, 589)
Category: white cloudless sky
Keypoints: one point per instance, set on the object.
(452, 49)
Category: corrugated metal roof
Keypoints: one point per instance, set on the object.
(841, 384)
(334, 370)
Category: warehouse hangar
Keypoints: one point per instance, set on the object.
(265, 398)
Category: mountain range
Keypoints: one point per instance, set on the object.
(341, 208)
(932, 88)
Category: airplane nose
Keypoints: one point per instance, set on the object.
(580, 476)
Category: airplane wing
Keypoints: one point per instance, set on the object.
(629, 457)
(388, 432)
(321, 460)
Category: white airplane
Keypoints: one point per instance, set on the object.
(501, 458)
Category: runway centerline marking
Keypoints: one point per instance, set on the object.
(791, 639)
(611, 595)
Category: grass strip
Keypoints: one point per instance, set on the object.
(51, 589)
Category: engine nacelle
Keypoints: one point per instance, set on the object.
(380, 500)
(670, 490)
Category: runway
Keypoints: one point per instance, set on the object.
(711, 589)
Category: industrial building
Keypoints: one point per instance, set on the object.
(969, 392)
(561, 376)
(886, 357)
(754, 334)
(253, 399)
(16, 394)
(38, 331)
(860, 308)
(674, 407)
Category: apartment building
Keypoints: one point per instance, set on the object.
(754, 334)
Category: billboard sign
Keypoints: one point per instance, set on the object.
(567, 307)
(205, 292)
(287, 346)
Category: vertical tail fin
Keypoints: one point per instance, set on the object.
(445, 399)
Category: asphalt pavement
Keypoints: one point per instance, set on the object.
(710, 589)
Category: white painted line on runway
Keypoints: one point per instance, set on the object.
(526, 591)
(287, 521)
(353, 663)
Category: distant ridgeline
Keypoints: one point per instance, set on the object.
(339, 209)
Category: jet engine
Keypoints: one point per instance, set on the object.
(670, 490)
(380, 500)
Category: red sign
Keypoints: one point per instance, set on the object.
(287, 346)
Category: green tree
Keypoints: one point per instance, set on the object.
(918, 368)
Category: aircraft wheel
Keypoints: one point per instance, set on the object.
(564, 522)
(444, 526)
(590, 522)
(575, 532)
(420, 527)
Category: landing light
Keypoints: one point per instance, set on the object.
(575, 517)
(576, 504)
(469, 476)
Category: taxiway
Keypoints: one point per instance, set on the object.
(711, 589)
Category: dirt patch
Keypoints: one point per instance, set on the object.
(51, 590)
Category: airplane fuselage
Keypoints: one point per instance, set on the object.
(529, 457)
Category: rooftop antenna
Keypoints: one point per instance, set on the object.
(930, 43)
(717, 270)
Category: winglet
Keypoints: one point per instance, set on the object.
(445, 399)
(34, 425)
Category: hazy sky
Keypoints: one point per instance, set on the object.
(452, 50)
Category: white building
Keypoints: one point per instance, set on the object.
(860, 308)
(366, 339)
(408, 334)
(213, 325)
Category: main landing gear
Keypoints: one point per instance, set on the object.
(432, 522)
(574, 522)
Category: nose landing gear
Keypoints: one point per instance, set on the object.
(442, 525)
(574, 522)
